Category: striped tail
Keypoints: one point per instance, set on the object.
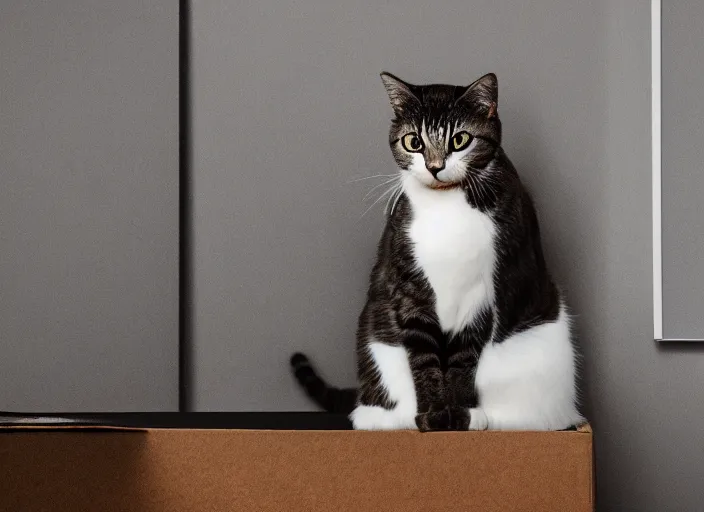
(329, 398)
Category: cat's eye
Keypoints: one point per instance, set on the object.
(460, 141)
(412, 143)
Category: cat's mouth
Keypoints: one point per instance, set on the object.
(443, 185)
(427, 180)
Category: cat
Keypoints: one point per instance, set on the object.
(463, 328)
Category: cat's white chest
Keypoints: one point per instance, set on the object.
(453, 244)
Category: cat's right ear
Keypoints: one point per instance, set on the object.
(400, 93)
(484, 92)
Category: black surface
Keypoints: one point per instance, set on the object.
(194, 420)
(190, 420)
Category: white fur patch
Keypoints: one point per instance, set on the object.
(418, 170)
(453, 243)
(374, 417)
(527, 382)
(477, 419)
(396, 378)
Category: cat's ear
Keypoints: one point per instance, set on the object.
(400, 93)
(484, 92)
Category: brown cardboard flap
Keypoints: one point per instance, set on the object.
(170, 470)
(585, 428)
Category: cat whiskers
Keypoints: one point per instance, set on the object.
(489, 181)
(395, 178)
(472, 188)
(391, 190)
(482, 190)
(398, 196)
(480, 185)
(355, 180)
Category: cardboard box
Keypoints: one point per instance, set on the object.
(103, 467)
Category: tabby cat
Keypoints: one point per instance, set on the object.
(463, 327)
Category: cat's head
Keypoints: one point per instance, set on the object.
(441, 133)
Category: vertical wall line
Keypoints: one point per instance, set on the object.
(185, 210)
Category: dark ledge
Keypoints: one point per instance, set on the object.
(192, 420)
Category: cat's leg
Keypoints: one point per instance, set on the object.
(462, 359)
(423, 341)
(387, 397)
(460, 390)
(528, 381)
(410, 378)
(402, 383)
(462, 397)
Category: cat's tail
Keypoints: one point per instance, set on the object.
(329, 398)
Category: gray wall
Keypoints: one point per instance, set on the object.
(88, 205)
(646, 400)
(682, 168)
(288, 107)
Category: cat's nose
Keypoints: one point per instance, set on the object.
(435, 167)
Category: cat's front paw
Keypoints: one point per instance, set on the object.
(433, 420)
(448, 418)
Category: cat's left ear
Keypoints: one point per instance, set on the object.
(484, 92)
(400, 93)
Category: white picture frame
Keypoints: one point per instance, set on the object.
(656, 145)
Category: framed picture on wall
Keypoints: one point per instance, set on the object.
(678, 180)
